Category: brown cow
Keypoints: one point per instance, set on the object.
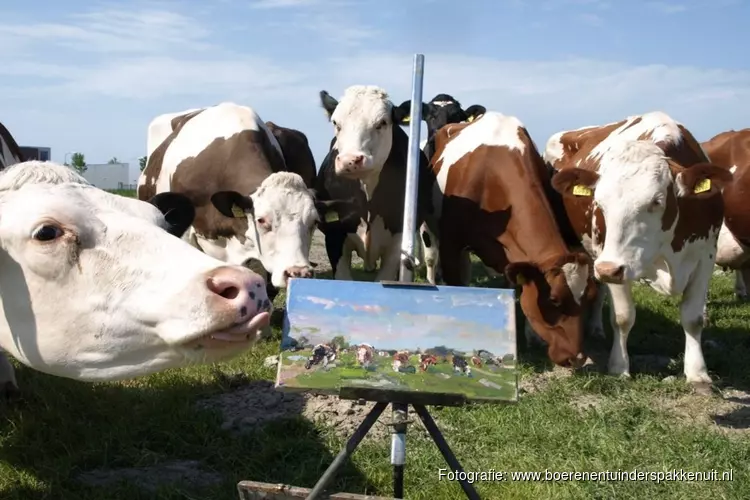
(731, 150)
(426, 360)
(647, 205)
(493, 204)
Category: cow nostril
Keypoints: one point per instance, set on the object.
(230, 292)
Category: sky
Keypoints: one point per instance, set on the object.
(89, 76)
(461, 318)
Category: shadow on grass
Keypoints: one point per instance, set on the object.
(63, 428)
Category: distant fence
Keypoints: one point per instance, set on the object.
(126, 187)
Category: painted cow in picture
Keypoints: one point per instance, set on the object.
(647, 204)
(364, 355)
(427, 360)
(322, 354)
(460, 365)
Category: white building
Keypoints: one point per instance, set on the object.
(108, 175)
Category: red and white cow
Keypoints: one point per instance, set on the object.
(647, 205)
(364, 354)
(95, 288)
(400, 360)
(731, 150)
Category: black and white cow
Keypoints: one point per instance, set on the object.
(322, 353)
(365, 173)
(10, 153)
(442, 110)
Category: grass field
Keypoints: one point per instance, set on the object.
(439, 378)
(156, 430)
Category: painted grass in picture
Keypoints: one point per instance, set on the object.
(444, 340)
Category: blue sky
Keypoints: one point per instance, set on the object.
(89, 76)
(393, 318)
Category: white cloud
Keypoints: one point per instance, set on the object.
(668, 7)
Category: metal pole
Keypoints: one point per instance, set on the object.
(399, 412)
(408, 239)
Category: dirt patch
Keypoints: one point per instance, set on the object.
(728, 413)
(185, 473)
(319, 256)
(539, 381)
(257, 403)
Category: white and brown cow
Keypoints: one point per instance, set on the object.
(247, 207)
(365, 170)
(364, 354)
(162, 126)
(731, 150)
(646, 205)
(95, 288)
(10, 153)
(493, 204)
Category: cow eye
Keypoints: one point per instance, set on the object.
(263, 222)
(47, 232)
(380, 125)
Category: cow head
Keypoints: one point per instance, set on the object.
(362, 121)
(94, 289)
(637, 190)
(553, 297)
(442, 110)
(281, 217)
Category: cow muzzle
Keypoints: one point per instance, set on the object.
(610, 272)
(352, 165)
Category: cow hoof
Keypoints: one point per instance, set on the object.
(741, 297)
(703, 388)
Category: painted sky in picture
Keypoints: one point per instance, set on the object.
(404, 318)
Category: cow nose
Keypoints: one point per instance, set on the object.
(240, 289)
(357, 160)
(609, 272)
(350, 163)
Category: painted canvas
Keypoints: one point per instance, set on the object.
(437, 339)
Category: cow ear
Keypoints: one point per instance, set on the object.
(702, 180)
(575, 182)
(232, 204)
(178, 211)
(520, 273)
(474, 111)
(329, 103)
(401, 115)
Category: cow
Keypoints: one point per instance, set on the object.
(489, 172)
(442, 110)
(364, 354)
(162, 126)
(476, 361)
(731, 149)
(365, 173)
(247, 208)
(427, 360)
(10, 153)
(296, 150)
(400, 361)
(460, 365)
(488, 358)
(646, 204)
(95, 288)
(324, 353)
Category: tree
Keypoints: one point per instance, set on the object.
(78, 162)
(340, 341)
(143, 160)
(113, 160)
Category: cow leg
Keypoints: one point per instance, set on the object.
(740, 288)
(622, 317)
(8, 384)
(390, 265)
(595, 323)
(691, 317)
(344, 265)
(431, 255)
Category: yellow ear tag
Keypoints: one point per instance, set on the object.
(332, 216)
(579, 190)
(238, 212)
(470, 119)
(520, 279)
(702, 186)
(406, 120)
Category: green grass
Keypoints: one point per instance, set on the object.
(440, 378)
(586, 422)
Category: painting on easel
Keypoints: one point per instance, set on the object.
(442, 340)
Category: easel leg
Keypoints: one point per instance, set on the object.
(398, 447)
(351, 445)
(446, 451)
